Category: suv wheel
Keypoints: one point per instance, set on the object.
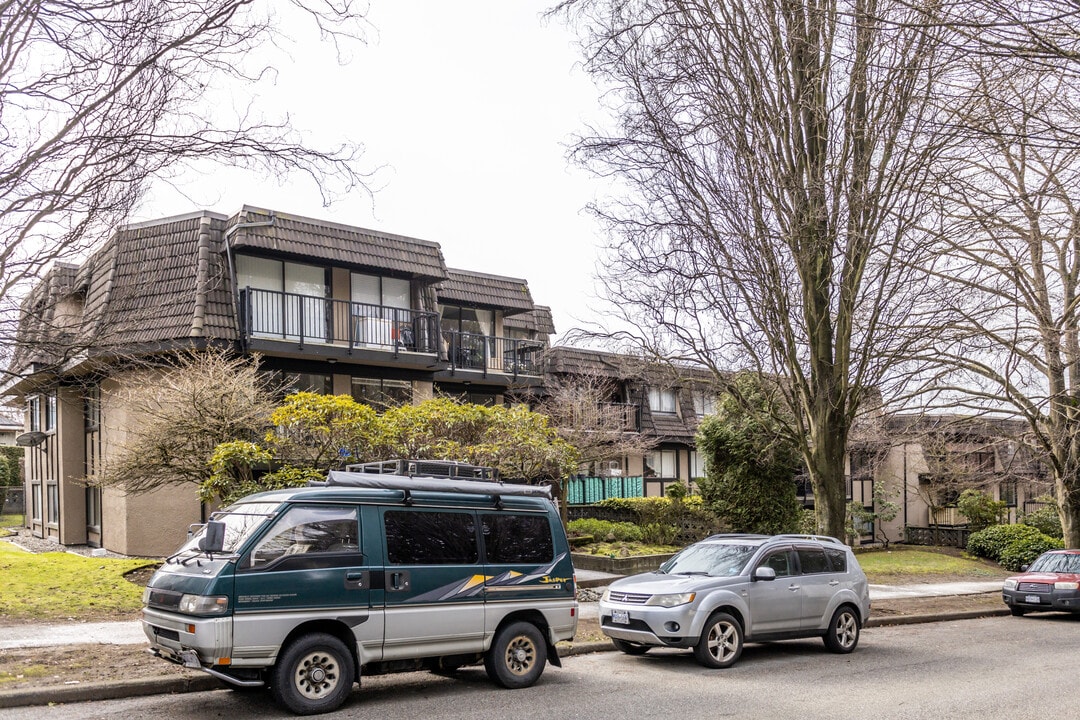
(1016, 611)
(517, 655)
(843, 633)
(630, 648)
(721, 641)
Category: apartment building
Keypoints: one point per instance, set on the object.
(333, 308)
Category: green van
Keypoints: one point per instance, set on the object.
(383, 568)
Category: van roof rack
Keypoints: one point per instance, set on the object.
(426, 468)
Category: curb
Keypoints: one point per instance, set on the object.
(114, 689)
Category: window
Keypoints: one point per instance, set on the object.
(780, 562)
(52, 504)
(517, 539)
(812, 560)
(33, 410)
(381, 394)
(287, 299)
(661, 463)
(468, 320)
(35, 501)
(317, 383)
(697, 465)
(414, 537)
(704, 403)
(307, 530)
(92, 455)
(662, 400)
(384, 291)
(837, 559)
(50, 412)
(1007, 492)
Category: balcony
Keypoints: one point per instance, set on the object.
(624, 415)
(489, 354)
(339, 327)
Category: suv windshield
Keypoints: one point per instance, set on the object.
(1056, 563)
(240, 522)
(718, 559)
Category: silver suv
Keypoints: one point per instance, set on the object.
(729, 589)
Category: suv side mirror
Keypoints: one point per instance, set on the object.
(214, 538)
(764, 573)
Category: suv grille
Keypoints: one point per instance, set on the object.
(629, 598)
(1033, 587)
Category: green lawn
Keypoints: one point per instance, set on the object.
(57, 586)
(894, 566)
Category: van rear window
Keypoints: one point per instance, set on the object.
(416, 537)
(517, 539)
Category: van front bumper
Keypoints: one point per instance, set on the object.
(189, 641)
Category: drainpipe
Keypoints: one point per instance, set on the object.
(232, 267)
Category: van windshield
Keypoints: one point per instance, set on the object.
(241, 521)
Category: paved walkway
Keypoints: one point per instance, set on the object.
(130, 632)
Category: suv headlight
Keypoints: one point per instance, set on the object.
(203, 605)
(671, 599)
(606, 596)
(1010, 584)
(1064, 585)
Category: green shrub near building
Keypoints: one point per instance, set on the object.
(1013, 546)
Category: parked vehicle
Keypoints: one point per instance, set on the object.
(1052, 582)
(306, 590)
(726, 590)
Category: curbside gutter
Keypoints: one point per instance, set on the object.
(114, 689)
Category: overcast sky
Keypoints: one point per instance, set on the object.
(470, 106)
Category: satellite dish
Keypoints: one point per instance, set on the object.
(30, 439)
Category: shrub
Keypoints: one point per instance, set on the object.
(980, 509)
(1046, 520)
(605, 529)
(1013, 546)
(686, 520)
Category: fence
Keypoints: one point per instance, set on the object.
(590, 490)
(12, 501)
(941, 536)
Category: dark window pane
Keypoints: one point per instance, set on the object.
(518, 539)
(414, 537)
(838, 559)
(812, 560)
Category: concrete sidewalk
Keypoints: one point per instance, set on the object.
(130, 632)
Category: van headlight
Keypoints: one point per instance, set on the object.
(671, 599)
(203, 604)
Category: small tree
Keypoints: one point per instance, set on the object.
(981, 510)
(749, 464)
(884, 510)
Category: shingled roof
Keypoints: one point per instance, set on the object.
(538, 320)
(305, 238)
(498, 292)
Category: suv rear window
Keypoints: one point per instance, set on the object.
(838, 558)
(812, 560)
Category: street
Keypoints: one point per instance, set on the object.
(990, 668)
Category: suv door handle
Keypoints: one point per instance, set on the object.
(793, 588)
(834, 583)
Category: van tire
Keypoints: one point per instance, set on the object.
(517, 655)
(314, 674)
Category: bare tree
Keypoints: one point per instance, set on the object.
(178, 414)
(774, 156)
(1010, 251)
(585, 412)
(99, 98)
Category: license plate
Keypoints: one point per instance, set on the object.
(621, 617)
(1032, 599)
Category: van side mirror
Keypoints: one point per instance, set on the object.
(764, 573)
(214, 538)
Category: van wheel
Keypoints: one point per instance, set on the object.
(721, 641)
(313, 675)
(517, 656)
(843, 633)
(629, 648)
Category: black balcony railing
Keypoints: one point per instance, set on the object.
(307, 319)
(511, 356)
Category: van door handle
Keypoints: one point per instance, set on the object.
(357, 580)
(397, 580)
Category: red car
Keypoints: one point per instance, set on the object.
(1052, 582)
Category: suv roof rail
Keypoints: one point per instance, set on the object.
(802, 536)
(425, 468)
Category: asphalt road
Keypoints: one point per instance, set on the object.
(991, 668)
